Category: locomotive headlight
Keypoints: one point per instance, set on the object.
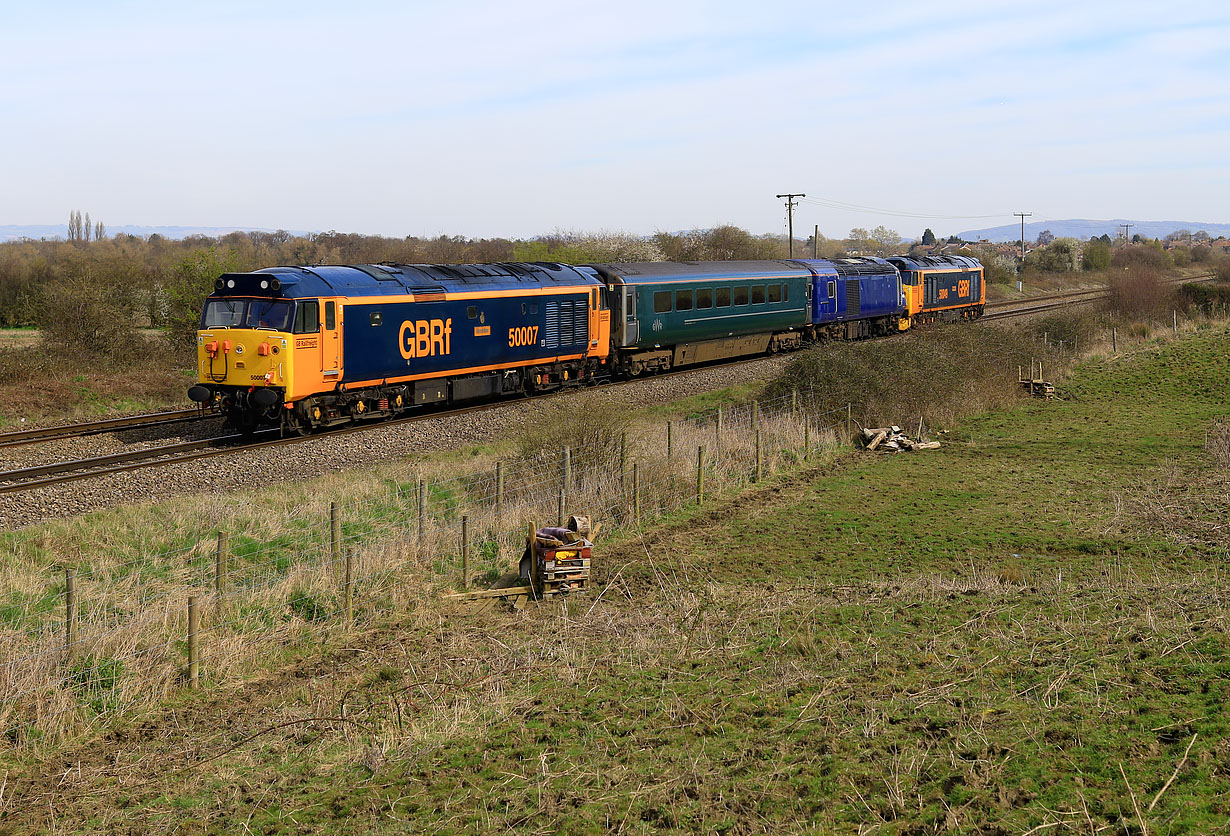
(264, 285)
(230, 283)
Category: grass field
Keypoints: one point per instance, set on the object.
(1022, 632)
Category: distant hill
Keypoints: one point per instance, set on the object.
(14, 232)
(1086, 229)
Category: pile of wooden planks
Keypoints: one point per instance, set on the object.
(894, 440)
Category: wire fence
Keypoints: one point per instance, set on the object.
(107, 637)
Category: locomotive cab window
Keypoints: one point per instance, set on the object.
(723, 297)
(330, 316)
(741, 295)
(307, 317)
(775, 293)
(662, 301)
(376, 318)
(758, 295)
(683, 300)
(224, 313)
(704, 298)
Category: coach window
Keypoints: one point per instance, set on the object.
(758, 295)
(683, 300)
(330, 316)
(741, 295)
(723, 297)
(704, 297)
(832, 290)
(785, 293)
(775, 293)
(307, 317)
(662, 301)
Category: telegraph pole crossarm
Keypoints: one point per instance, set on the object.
(790, 204)
(1022, 216)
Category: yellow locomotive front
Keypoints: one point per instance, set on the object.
(244, 358)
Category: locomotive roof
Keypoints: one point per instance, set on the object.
(937, 262)
(400, 279)
(652, 272)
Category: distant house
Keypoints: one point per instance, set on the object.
(1220, 245)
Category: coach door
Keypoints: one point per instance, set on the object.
(330, 342)
(632, 327)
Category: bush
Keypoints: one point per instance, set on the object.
(939, 374)
(1209, 299)
(85, 316)
(1138, 291)
(580, 422)
(1140, 256)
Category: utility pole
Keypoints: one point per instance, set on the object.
(1022, 216)
(815, 242)
(790, 216)
(1126, 227)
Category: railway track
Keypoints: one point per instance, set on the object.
(30, 478)
(20, 438)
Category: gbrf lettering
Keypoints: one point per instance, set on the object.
(425, 338)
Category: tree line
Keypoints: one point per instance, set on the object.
(91, 292)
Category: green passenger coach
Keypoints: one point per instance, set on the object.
(667, 314)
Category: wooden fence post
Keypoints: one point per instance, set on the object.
(849, 420)
(670, 441)
(717, 432)
(806, 438)
(194, 648)
(561, 508)
(70, 612)
(1114, 340)
(759, 458)
(755, 415)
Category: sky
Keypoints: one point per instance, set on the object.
(487, 119)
